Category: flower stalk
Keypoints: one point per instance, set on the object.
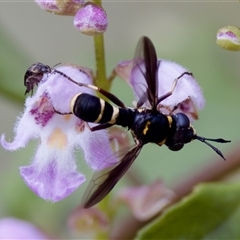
(100, 78)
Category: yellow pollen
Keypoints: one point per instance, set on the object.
(67, 117)
(57, 139)
(146, 127)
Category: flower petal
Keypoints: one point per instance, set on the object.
(61, 90)
(21, 135)
(53, 173)
(97, 150)
(167, 72)
(88, 223)
(60, 7)
(11, 228)
(187, 94)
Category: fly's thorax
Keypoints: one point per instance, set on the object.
(151, 126)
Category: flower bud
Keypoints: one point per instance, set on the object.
(146, 201)
(61, 7)
(229, 38)
(88, 223)
(91, 20)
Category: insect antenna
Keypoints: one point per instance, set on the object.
(56, 65)
(219, 140)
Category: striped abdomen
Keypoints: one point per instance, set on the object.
(93, 109)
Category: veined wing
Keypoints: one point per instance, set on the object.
(103, 181)
(147, 63)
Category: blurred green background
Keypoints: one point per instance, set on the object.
(181, 32)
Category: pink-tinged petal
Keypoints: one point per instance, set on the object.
(61, 90)
(123, 70)
(187, 86)
(42, 110)
(187, 107)
(167, 72)
(36, 115)
(60, 7)
(97, 149)
(91, 19)
(146, 201)
(12, 228)
(229, 38)
(187, 96)
(88, 223)
(53, 174)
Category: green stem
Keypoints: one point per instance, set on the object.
(100, 79)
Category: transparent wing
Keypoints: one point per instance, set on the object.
(146, 64)
(103, 181)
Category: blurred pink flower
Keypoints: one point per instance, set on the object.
(12, 228)
(60, 7)
(147, 200)
(88, 223)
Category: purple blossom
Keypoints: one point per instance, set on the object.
(91, 19)
(187, 97)
(60, 7)
(53, 174)
(11, 228)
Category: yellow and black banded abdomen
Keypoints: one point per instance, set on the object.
(93, 109)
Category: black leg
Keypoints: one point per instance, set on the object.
(99, 127)
(95, 128)
(107, 94)
(173, 87)
(56, 111)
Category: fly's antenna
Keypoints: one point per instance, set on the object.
(219, 140)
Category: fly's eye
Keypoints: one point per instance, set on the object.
(182, 120)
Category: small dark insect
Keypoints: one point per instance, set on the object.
(146, 125)
(34, 75)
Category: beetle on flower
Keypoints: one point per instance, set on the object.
(53, 174)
